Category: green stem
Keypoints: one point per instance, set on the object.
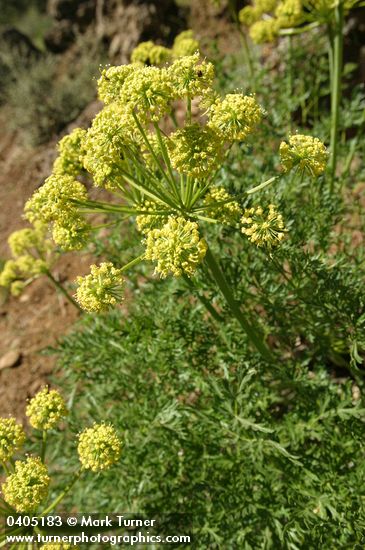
(166, 158)
(62, 290)
(206, 303)
(132, 263)
(60, 497)
(336, 87)
(290, 76)
(252, 332)
(261, 185)
(44, 445)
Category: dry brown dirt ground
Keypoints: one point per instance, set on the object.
(35, 320)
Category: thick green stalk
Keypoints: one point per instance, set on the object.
(252, 332)
(336, 87)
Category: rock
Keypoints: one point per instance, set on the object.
(11, 359)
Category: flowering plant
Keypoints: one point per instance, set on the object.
(27, 485)
(162, 173)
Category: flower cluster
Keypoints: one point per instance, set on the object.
(12, 437)
(27, 487)
(46, 409)
(266, 18)
(305, 154)
(263, 227)
(54, 202)
(222, 206)
(71, 152)
(153, 219)
(101, 289)
(99, 447)
(149, 53)
(196, 150)
(235, 116)
(177, 247)
(31, 250)
(191, 77)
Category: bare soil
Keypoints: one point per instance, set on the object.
(39, 316)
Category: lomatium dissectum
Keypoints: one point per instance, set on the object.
(165, 180)
(266, 20)
(28, 480)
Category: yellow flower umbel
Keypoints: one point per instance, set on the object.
(149, 53)
(147, 92)
(265, 30)
(185, 44)
(53, 201)
(99, 447)
(177, 247)
(46, 409)
(191, 77)
(146, 222)
(235, 116)
(101, 289)
(29, 240)
(71, 152)
(109, 133)
(111, 82)
(227, 212)
(289, 13)
(306, 154)
(72, 233)
(12, 437)
(27, 487)
(263, 228)
(195, 150)
(17, 273)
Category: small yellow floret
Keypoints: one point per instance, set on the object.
(27, 487)
(46, 409)
(99, 447)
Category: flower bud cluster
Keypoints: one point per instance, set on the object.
(222, 206)
(27, 487)
(177, 247)
(101, 289)
(149, 53)
(12, 437)
(263, 227)
(305, 154)
(99, 447)
(46, 409)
